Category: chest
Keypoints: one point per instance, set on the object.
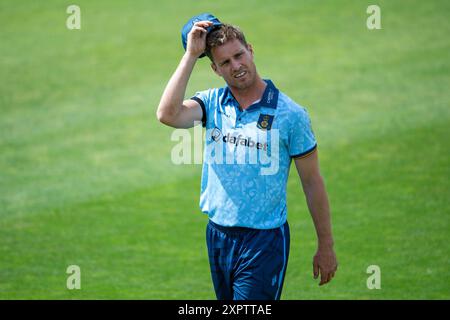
(257, 128)
(256, 119)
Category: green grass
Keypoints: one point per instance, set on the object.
(85, 170)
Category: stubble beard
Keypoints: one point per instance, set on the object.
(238, 85)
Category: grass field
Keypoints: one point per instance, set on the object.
(85, 170)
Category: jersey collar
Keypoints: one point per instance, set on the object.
(269, 98)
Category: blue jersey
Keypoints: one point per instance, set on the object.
(248, 154)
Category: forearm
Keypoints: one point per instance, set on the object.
(319, 208)
(173, 96)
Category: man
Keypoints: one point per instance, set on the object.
(248, 234)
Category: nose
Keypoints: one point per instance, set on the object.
(235, 65)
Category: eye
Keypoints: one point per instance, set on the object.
(224, 63)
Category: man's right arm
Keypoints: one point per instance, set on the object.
(172, 110)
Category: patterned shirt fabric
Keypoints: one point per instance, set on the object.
(247, 156)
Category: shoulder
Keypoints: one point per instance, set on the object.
(291, 110)
(211, 94)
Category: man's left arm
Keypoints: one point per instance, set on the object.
(324, 261)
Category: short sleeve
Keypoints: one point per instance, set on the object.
(202, 97)
(302, 141)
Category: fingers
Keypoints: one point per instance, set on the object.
(326, 276)
(203, 24)
(315, 270)
(323, 278)
(197, 30)
(330, 276)
(196, 40)
(325, 264)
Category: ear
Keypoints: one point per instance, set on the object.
(214, 67)
(250, 48)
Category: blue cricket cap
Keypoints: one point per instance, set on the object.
(201, 17)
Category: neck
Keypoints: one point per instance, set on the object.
(247, 96)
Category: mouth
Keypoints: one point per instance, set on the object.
(240, 74)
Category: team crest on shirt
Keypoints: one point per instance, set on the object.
(265, 121)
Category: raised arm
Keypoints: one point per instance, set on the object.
(172, 110)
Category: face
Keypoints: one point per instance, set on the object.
(234, 62)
